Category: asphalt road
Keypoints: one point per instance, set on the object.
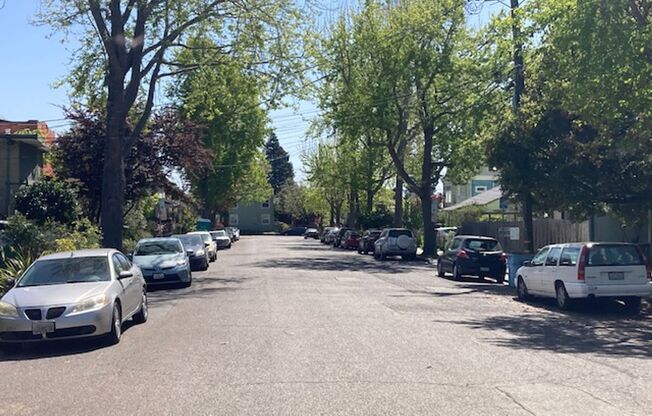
(283, 326)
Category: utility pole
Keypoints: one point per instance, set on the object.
(519, 86)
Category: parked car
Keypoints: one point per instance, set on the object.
(209, 244)
(574, 271)
(337, 241)
(222, 239)
(351, 240)
(324, 233)
(163, 261)
(295, 231)
(194, 246)
(367, 241)
(233, 231)
(396, 242)
(311, 233)
(469, 255)
(329, 238)
(72, 295)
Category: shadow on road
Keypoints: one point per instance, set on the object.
(602, 328)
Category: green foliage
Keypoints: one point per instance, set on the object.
(378, 218)
(281, 171)
(13, 263)
(48, 200)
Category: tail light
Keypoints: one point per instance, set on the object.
(648, 264)
(462, 254)
(503, 257)
(581, 264)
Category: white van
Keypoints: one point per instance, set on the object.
(586, 270)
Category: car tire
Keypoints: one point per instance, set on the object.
(141, 316)
(456, 273)
(114, 336)
(189, 282)
(564, 302)
(500, 279)
(382, 256)
(633, 305)
(521, 290)
(440, 269)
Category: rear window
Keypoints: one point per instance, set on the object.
(482, 244)
(190, 240)
(614, 255)
(219, 233)
(398, 233)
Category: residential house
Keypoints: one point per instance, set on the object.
(454, 193)
(253, 218)
(22, 146)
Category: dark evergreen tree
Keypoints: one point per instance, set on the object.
(281, 171)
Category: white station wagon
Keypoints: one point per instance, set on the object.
(587, 270)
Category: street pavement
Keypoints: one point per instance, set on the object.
(285, 326)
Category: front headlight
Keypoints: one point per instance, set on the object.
(200, 253)
(90, 304)
(8, 310)
(181, 262)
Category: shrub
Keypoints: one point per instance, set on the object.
(48, 200)
(14, 263)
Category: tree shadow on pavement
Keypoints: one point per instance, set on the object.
(202, 287)
(602, 328)
(353, 263)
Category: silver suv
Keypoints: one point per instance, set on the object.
(396, 242)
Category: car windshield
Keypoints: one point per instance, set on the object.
(614, 255)
(482, 244)
(190, 240)
(398, 233)
(157, 248)
(67, 270)
(219, 233)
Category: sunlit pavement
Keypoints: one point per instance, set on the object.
(281, 325)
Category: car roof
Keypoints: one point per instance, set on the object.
(154, 239)
(476, 237)
(594, 243)
(96, 252)
(198, 232)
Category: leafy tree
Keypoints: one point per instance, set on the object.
(139, 40)
(281, 171)
(48, 199)
(168, 145)
(227, 100)
(322, 168)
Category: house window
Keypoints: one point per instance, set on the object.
(266, 204)
(264, 219)
(233, 219)
(479, 189)
(449, 197)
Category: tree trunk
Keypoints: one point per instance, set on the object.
(113, 179)
(528, 235)
(398, 202)
(428, 229)
(332, 215)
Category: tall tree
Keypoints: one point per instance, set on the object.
(138, 40)
(281, 171)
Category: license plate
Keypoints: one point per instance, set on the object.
(42, 327)
(158, 276)
(616, 276)
(484, 269)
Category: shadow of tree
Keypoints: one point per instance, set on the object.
(602, 328)
(352, 263)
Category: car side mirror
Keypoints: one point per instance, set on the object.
(527, 263)
(207, 245)
(125, 275)
(190, 252)
(130, 257)
(11, 283)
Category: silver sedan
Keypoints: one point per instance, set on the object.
(71, 295)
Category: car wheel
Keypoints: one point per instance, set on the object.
(141, 316)
(521, 290)
(563, 300)
(189, 282)
(113, 337)
(440, 269)
(500, 279)
(456, 273)
(633, 305)
(382, 256)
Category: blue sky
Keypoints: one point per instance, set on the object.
(33, 61)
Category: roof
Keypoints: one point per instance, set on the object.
(482, 198)
(149, 240)
(96, 252)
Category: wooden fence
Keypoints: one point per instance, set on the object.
(546, 231)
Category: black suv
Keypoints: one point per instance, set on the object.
(367, 241)
(340, 235)
(473, 256)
